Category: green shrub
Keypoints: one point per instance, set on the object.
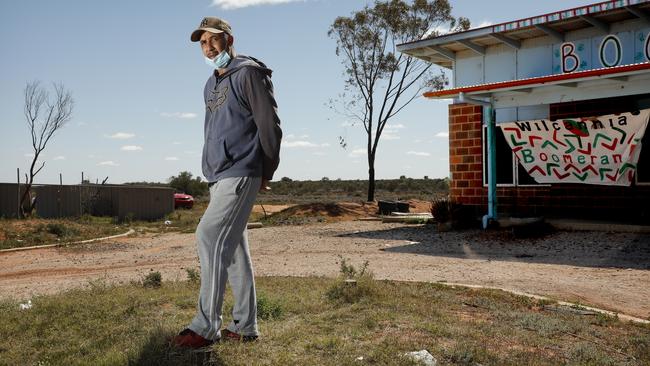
(268, 308)
(153, 280)
(352, 285)
(193, 275)
(58, 229)
(441, 209)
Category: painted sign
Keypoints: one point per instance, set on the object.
(623, 48)
(595, 150)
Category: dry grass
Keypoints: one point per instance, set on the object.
(128, 325)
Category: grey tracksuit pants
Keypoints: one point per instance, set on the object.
(224, 255)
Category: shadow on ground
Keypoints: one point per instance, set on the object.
(157, 352)
(582, 249)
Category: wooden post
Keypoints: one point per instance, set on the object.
(60, 179)
(82, 177)
(18, 206)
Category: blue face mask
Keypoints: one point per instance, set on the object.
(222, 59)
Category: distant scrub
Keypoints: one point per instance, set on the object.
(404, 188)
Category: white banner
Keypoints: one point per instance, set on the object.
(594, 150)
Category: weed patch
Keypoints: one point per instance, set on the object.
(152, 280)
(352, 285)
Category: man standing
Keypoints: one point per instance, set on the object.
(240, 154)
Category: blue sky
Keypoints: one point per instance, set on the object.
(137, 82)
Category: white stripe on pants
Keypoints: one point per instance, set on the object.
(222, 244)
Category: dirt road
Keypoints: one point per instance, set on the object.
(606, 270)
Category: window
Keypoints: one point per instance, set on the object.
(508, 168)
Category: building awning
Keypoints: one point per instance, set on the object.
(442, 50)
(579, 85)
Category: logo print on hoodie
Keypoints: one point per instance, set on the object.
(216, 99)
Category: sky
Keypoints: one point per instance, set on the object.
(137, 84)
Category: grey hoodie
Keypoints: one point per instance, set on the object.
(242, 129)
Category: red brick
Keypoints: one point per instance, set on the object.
(468, 192)
(455, 110)
(461, 135)
(476, 150)
(476, 117)
(468, 110)
(461, 119)
(467, 127)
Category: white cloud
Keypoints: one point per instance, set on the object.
(131, 148)
(181, 115)
(290, 136)
(485, 23)
(358, 152)
(82, 123)
(417, 153)
(301, 144)
(171, 158)
(236, 4)
(108, 163)
(176, 143)
(394, 127)
(60, 157)
(443, 135)
(29, 155)
(122, 136)
(388, 135)
(304, 137)
(319, 153)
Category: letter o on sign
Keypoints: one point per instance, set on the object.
(611, 42)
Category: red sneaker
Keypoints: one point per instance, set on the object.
(232, 336)
(189, 339)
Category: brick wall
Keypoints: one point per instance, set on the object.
(465, 154)
(558, 200)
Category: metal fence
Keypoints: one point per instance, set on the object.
(9, 199)
(123, 202)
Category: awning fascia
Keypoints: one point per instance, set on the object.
(530, 84)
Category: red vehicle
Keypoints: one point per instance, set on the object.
(183, 200)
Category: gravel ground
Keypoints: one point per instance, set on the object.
(605, 270)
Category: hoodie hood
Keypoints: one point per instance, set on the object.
(242, 61)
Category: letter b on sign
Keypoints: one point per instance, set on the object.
(570, 61)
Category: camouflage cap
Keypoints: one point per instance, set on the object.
(212, 25)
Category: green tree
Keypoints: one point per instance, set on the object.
(380, 81)
(186, 184)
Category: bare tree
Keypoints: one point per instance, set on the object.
(380, 82)
(44, 116)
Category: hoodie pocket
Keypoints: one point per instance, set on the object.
(218, 158)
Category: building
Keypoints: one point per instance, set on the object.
(549, 113)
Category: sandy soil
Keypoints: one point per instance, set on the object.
(606, 270)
